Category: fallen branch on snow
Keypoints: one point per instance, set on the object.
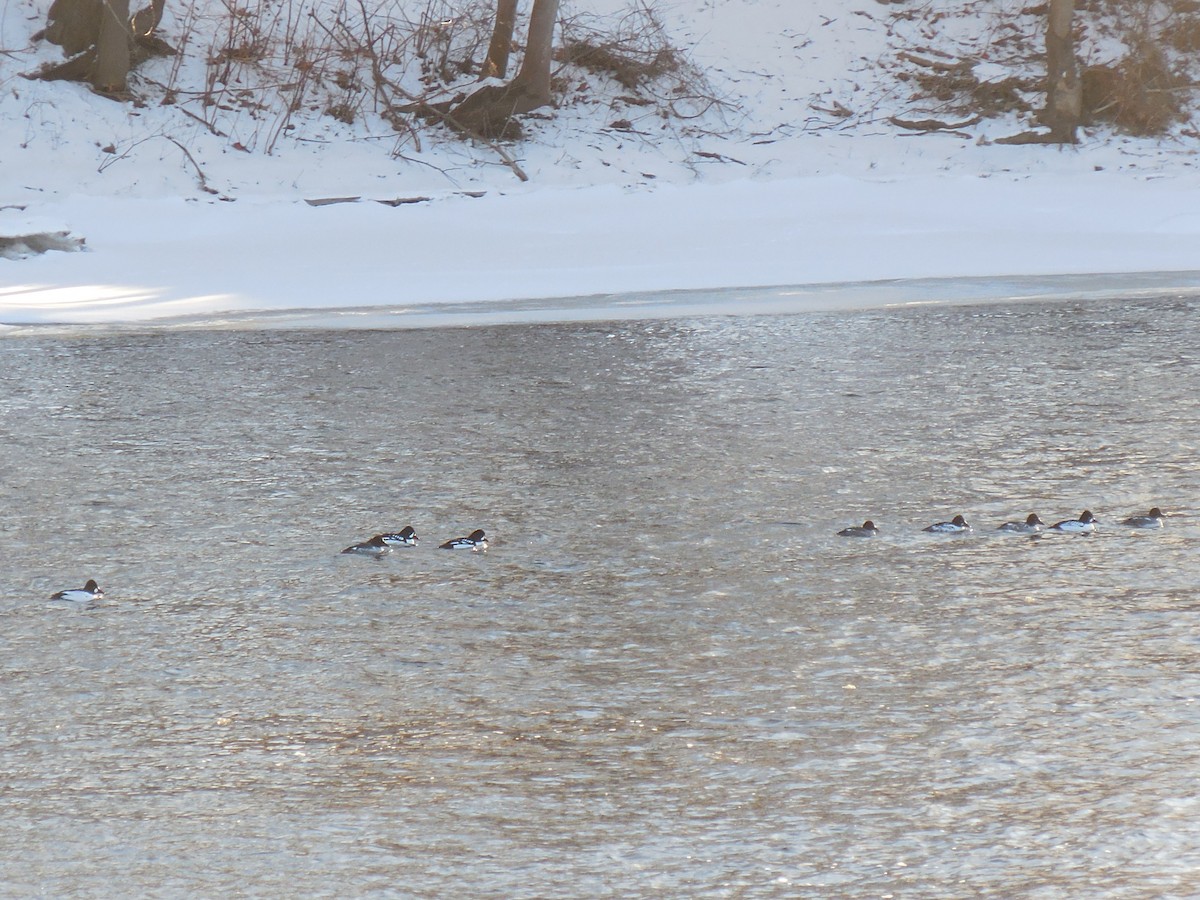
(928, 125)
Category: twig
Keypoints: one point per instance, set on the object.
(708, 154)
(199, 172)
(508, 160)
(207, 124)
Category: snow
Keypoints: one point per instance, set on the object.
(771, 196)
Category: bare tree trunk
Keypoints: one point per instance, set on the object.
(1064, 87)
(103, 42)
(73, 24)
(489, 111)
(534, 77)
(496, 64)
(112, 48)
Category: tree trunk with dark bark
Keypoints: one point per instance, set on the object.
(489, 111)
(111, 70)
(1064, 87)
(102, 42)
(496, 64)
(534, 77)
(73, 24)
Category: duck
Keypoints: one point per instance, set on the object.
(1153, 519)
(376, 546)
(476, 540)
(957, 525)
(1084, 524)
(1031, 525)
(405, 537)
(89, 592)
(866, 529)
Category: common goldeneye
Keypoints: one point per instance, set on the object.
(89, 592)
(957, 525)
(406, 537)
(376, 546)
(1085, 523)
(867, 529)
(1031, 525)
(474, 541)
(1154, 519)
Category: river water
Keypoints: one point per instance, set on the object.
(668, 676)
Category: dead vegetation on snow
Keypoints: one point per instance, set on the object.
(1139, 63)
(256, 72)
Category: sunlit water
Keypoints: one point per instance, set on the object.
(668, 676)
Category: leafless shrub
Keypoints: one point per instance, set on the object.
(630, 56)
(1157, 73)
(245, 38)
(635, 50)
(1184, 35)
(450, 39)
(628, 70)
(1146, 96)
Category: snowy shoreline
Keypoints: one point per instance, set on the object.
(172, 259)
(755, 301)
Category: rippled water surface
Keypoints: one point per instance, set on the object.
(668, 676)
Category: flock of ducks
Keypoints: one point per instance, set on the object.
(1085, 524)
(407, 537)
(477, 540)
(376, 546)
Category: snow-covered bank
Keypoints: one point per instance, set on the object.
(172, 258)
(781, 186)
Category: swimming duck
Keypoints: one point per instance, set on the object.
(474, 541)
(1031, 525)
(376, 546)
(89, 592)
(1153, 519)
(1084, 524)
(866, 529)
(406, 537)
(957, 525)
